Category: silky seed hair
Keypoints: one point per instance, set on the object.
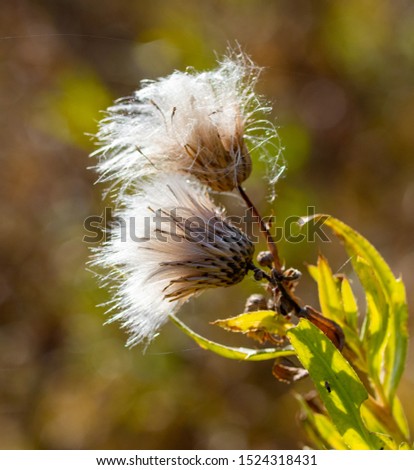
(169, 243)
(200, 124)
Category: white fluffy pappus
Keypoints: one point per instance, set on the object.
(193, 123)
(169, 243)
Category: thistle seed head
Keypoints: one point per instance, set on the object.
(191, 123)
(169, 243)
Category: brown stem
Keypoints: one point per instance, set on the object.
(271, 244)
(330, 328)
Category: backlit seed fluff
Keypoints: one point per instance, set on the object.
(169, 243)
(191, 123)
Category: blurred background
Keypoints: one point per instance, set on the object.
(340, 76)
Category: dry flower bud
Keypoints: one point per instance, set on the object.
(255, 302)
(265, 259)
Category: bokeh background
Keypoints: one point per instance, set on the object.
(340, 76)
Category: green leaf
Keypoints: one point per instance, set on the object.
(260, 325)
(388, 288)
(377, 319)
(388, 441)
(329, 295)
(320, 428)
(332, 306)
(373, 416)
(313, 271)
(400, 419)
(349, 304)
(396, 352)
(350, 328)
(337, 383)
(241, 354)
(386, 422)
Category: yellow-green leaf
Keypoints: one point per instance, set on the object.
(321, 428)
(329, 295)
(330, 299)
(313, 271)
(377, 319)
(388, 287)
(372, 415)
(388, 441)
(241, 354)
(259, 324)
(349, 304)
(400, 419)
(337, 383)
(396, 352)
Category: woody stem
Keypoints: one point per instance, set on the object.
(271, 244)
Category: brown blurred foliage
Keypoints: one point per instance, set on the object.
(340, 76)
